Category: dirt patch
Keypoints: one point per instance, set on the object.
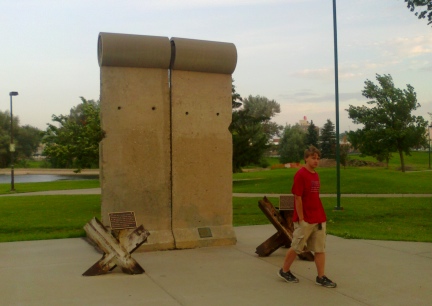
(363, 163)
(326, 162)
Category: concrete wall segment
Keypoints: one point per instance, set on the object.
(203, 56)
(201, 157)
(135, 156)
(167, 149)
(126, 50)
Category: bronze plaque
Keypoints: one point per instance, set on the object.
(122, 220)
(205, 232)
(286, 202)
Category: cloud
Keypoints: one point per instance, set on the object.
(310, 96)
(328, 73)
(404, 46)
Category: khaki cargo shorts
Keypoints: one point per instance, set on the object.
(309, 235)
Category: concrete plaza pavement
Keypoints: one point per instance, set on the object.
(367, 272)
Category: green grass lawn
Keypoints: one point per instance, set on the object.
(417, 161)
(44, 186)
(408, 219)
(63, 216)
(46, 217)
(399, 219)
(353, 180)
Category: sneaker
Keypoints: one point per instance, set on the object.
(325, 282)
(287, 276)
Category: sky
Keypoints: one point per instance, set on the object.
(48, 50)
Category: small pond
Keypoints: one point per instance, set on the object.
(35, 178)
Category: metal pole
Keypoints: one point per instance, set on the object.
(338, 207)
(429, 129)
(11, 146)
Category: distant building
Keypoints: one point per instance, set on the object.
(304, 124)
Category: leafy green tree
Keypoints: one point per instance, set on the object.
(328, 140)
(389, 123)
(75, 142)
(237, 100)
(292, 144)
(372, 143)
(252, 129)
(425, 8)
(26, 140)
(312, 135)
(343, 154)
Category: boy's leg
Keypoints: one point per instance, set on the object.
(289, 259)
(300, 236)
(320, 263)
(285, 272)
(317, 244)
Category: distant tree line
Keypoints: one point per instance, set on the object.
(295, 140)
(72, 140)
(387, 127)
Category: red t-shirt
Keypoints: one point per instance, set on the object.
(307, 185)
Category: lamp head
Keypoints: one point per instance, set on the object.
(13, 93)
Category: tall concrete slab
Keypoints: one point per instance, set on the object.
(135, 116)
(201, 142)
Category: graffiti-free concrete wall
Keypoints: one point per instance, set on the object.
(135, 115)
(201, 142)
(166, 109)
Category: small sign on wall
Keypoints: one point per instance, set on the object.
(122, 220)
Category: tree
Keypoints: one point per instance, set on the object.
(292, 144)
(235, 97)
(312, 135)
(389, 125)
(372, 143)
(328, 140)
(343, 154)
(425, 10)
(26, 140)
(75, 143)
(252, 129)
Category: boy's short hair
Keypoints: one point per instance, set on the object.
(311, 151)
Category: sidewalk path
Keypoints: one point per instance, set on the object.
(238, 195)
(368, 273)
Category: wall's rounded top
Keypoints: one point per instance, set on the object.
(203, 56)
(126, 50)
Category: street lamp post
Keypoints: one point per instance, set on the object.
(429, 132)
(12, 146)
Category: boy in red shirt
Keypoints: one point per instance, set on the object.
(309, 220)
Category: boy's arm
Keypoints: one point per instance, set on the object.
(299, 207)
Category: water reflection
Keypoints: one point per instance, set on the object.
(35, 178)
